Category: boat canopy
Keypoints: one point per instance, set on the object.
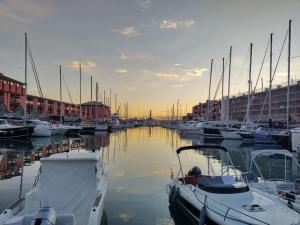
(69, 183)
(269, 152)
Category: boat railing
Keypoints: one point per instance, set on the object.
(37, 178)
(226, 210)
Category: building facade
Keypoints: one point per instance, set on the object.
(259, 107)
(12, 99)
(200, 110)
(95, 111)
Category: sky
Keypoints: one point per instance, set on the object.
(151, 53)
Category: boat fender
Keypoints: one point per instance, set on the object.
(202, 215)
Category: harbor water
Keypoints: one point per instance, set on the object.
(139, 162)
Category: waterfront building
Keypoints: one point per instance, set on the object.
(12, 99)
(259, 105)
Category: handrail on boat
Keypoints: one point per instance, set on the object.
(227, 210)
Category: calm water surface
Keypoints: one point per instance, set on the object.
(140, 162)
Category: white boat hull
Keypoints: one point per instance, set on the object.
(295, 134)
(226, 209)
(231, 135)
(42, 132)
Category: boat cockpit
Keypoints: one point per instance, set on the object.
(214, 184)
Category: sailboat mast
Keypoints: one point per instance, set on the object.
(60, 94)
(271, 74)
(91, 98)
(80, 91)
(289, 75)
(25, 105)
(249, 87)
(208, 103)
(110, 98)
(115, 103)
(222, 104)
(229, 76)
(96, 105)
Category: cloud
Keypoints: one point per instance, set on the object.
(162, 74)
(177, 64)
(123, 56)
(130, 31)
(179, 74)
(171, 24)
(196, 72)
(121, 71)
(133, 56)
(144, 4)
(177, 85)
(84, 64)
(23, 10)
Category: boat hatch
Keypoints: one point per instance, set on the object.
(253, 208)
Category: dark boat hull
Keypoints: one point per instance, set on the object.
(16, 132)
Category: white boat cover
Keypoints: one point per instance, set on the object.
(69, 184)
(269, 152)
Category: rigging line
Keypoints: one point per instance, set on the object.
(65, 83)
(39, 91)
(242, 66)
(278, 59)
(220, 79)
(35, 72)
(259, 74)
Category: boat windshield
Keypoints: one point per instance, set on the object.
(275, 165)
(210, 169)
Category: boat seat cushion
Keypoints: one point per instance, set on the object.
(189, 180)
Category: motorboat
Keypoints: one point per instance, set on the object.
(231, 133)
(295, 138)
(70, 189)
(59, 129)
(217, 192)
(102, 126)
(41, 128)
(10, 130)
(276, 172)
(262, 135)
(87, 129)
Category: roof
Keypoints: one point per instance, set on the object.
(3, 77)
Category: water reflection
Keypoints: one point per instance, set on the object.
(140, 162)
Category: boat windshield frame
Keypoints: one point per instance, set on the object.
(200, 148)
(270, 152)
